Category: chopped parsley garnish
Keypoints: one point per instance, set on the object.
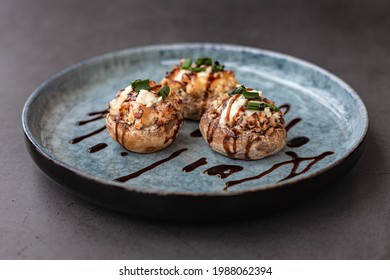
(217, 67)
(164, 92)
(187, 64)
(251, 95)
(260, 106)
(203, 61)
(139, 84)
(206, 61)
(236, 90)
(198, 69)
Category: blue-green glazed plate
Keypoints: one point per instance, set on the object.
(326, 110)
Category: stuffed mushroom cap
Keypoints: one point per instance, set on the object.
(244, 126)
(199, 83)
(145, 117)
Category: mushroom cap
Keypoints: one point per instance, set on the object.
(144, 126)
(199, 89)
(247, 136)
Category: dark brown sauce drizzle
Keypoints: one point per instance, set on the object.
(210, 130)
(174, 134)
(295, 161)
(232, 134)
(81, 138)
(191, 167)
(96, 148)
(210, 80)
(286, 107)
(117, 118)
(206, 93)
(123, 154)
(223, 171)
(230, 107)
(79, 123)
(226, 147)
(103, 112)
(147, 168)
(235, 135)
(124, 134)
(196, 133)
(248, 148)
(292, 123)
(250, 142)
(297, 141)
(214, 124)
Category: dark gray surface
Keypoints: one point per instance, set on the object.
(39, 38)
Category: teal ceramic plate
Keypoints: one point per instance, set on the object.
(323, 108)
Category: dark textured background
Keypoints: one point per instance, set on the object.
(39, 38)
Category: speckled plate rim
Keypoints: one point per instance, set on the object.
(228, 47)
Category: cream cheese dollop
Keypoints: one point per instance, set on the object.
(202, 74)
(127, 90)
(237, 104)
(147, 98)
(179, 76)
(234, 104)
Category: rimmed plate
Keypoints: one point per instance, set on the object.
(323, 108)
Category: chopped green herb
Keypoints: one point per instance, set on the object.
(198, 69)
(187, 64)
(139, 84)
(272, 107)
(217, 67)
(237, 90)
(251, 94)
(204, 61)
(253, 106)
(260, 106)
(164, 91)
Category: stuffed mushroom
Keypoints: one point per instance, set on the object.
(244, 126)
(145, 117)
(199, 83)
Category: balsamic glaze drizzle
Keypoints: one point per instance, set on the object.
(149, 167)
(297, 141)
(96, 148)
(81, 138)
(191, 167)
(292, 123)
(295, 161)
(123, 154)
(105, 111)
(79, 123)
(196, 133)
(223, 171)
(286, 107)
